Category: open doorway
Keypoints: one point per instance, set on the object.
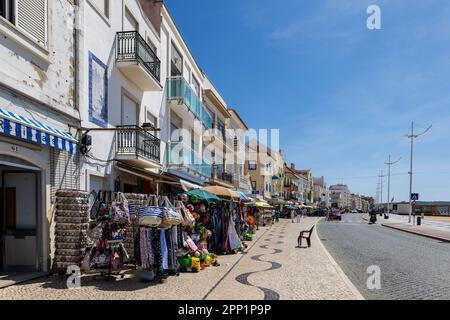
(19, 216)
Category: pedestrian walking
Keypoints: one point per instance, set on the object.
(257, 218)
(292, 215)
(299, 215)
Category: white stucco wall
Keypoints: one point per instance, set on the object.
(99, 38)
(45, 74)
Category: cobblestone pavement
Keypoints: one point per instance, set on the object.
(276, 269)
(273, 268)
(412, 267)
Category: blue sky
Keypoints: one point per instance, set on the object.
(342, 96)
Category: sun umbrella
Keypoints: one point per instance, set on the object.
(222, 192)
(203, 195)
(259, 204)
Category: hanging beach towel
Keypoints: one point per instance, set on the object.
(96, 206)
(233, 238)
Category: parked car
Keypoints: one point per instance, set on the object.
(317, 213)
(335, 215)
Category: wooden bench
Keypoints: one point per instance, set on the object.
(306, 234)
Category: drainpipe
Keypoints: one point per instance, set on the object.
(77, 34)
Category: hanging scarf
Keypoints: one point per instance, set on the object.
(143, 248)
(150, 253)
(157, 251)
(165, 254)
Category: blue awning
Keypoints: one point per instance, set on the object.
(35, 131)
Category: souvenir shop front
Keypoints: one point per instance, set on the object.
(158, 235)
(27, 153)
(117, 232)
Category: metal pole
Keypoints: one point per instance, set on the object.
(411, 172)
(413, 136)
(381, 181)
(389, 186)
(389, 163)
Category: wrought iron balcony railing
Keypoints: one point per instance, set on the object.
(220, 173)
(134, 140)
(130, 46)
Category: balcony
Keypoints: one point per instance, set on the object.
(182, 157)
(137, 61)
(138, 147)
(179, 90)
(219, 174)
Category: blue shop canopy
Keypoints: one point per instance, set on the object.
(35, 131)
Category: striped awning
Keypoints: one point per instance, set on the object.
(35, 131)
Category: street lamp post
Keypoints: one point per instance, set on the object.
(413, 136)
(389, 163)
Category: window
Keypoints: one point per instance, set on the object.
(102, 6)
(150, 118)
(252, 165)
(189, 74)
(130, 22)
(7, 10)
(220, 126)
(253, 185)
(27, 15)
(196, 85)
(176, 63)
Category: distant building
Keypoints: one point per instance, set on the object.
(356, 202)
(261, 168)
(321, 193)
(292, 184)
(309, 189)
(340, 196)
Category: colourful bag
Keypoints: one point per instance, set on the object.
(191, 244)
(120, 211)
(171, 216)
(188, 218)
(104, 212)
(151, 215)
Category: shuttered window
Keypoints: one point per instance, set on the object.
(64, 171)
(31, 17)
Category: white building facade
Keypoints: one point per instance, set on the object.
(340, 196)
(39, 114)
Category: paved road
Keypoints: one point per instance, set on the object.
(412, 267)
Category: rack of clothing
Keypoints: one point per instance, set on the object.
(158, 248)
